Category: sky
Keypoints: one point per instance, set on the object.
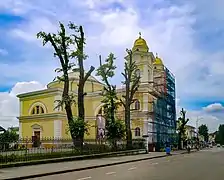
(187, 35)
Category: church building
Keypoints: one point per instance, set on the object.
(153, 113)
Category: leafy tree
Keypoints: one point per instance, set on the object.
(203, 131)
(181, 128)
(6, 138)
(62, 44)
(131, 82)
(219, 139)
(114, 128)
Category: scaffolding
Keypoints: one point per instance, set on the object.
(164, 110)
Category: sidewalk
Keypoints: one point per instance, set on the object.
(57, 168)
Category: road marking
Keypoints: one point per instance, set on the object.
(89, 177)
(109, 173)
(155, 163)
(132, 168)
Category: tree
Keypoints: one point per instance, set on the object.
(7, 138)
(181, 128)
(114, 128)
(203, 131)
(219, 139)
(62, 45)
(131, 82)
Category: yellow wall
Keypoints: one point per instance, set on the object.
(89, 86)
(48, 127)
(48, 101)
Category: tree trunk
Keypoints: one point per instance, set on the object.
(128, 126)
(81, 109)
(68, 108)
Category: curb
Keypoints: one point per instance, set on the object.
(81, 169)
(73, 158)
(90, 167)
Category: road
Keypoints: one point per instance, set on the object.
(206, 165)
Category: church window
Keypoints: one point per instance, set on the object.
(37, 110)
(137, 132)
(137, 105)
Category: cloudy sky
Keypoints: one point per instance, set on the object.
(188, 35)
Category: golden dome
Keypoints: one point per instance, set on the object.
(158, 61)
(140, 44)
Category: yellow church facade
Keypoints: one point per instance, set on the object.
(39, 117)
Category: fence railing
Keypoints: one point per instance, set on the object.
(46, 148)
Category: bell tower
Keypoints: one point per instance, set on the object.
(143, 59)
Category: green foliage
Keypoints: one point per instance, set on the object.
(114, 128)
(6, 138)
(181, 126)
(203, 131)
(66, 48)
(78, 128)
(219, 139)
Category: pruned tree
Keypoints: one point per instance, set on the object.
(63, 44)
(131, 82)
(203, 131)
(114, 127)
(181, 127)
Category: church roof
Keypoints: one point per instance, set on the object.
(140, 43)
(158, 61)
(75, 75)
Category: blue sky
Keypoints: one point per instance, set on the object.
(188, 36)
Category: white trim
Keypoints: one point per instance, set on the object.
(37, 127)
(98, 108)
(21, 107)
(37, 104)
(20, 130)
(57, 128)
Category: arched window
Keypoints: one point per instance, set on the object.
(137, 105)
(37, 110)
(137, 132)
(101, 111)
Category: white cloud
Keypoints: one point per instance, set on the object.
(169, 30)
(216, 107)
(9, 103)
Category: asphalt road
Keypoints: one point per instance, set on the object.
(206, 165)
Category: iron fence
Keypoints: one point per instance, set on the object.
(46, 148)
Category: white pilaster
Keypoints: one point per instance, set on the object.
(145, 102)
(145, 74)
(21, 107)
(20, 130)
(145, 127)
(57, 128)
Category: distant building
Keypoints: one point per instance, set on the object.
(190, 132)
(2, 129)
(211, 137)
